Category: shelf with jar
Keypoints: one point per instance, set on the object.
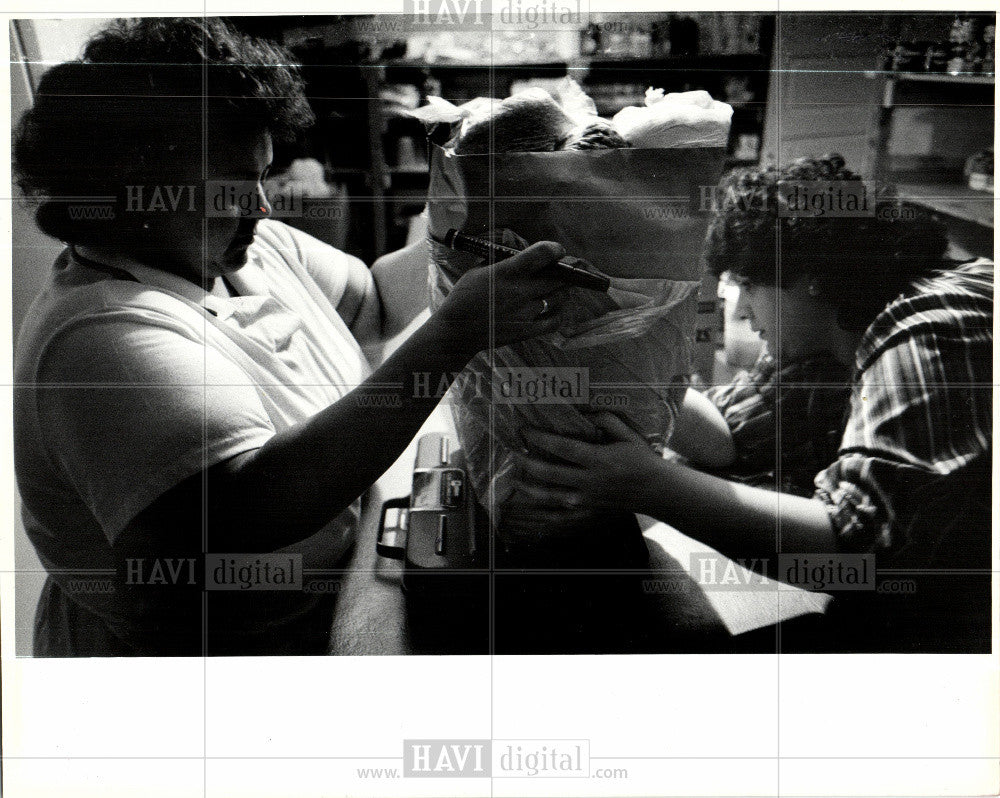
(950, 83)
(967, 55)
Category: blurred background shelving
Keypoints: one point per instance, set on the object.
(953, 109)
(800, 83)
(908, 99)
(364, 73)
(870, 85)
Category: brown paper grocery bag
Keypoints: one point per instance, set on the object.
(629, 212)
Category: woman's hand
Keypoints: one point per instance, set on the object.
(567, 473)
(523, 302)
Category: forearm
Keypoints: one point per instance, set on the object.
(740, 521)
(303, 477)
(701, 433)
(306, 475)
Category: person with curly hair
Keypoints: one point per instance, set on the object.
(909, 481)
(191, 379)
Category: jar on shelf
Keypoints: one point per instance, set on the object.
(956, 58)
(640, 44)
(749, 33)
(979, 171)
(962, 35)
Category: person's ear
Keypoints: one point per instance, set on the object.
(813, 286)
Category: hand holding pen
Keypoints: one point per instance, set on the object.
(503, 303)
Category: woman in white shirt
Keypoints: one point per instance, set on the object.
(191, 380)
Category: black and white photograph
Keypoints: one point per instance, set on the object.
(467, 335)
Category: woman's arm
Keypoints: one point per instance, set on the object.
(701, 433)
(401, 279)
(740, 521)
(301, 478)
(377, 303)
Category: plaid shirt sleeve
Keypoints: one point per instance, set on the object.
(805, 400)
(747, 404)
(920, 412)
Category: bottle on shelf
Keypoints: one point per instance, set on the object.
(936, 58)
(961, 37)
(659, 39)
(590, 40)
(907, 56)
(988, 66)
(683, 35)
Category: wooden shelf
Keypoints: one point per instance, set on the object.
(468, 66)
(934, 77)
(951, 199)
(709, 62)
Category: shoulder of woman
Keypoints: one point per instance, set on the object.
(953, 304)
(298, 247)
(100, 321)
(274, 232)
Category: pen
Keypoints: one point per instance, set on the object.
(485, 248)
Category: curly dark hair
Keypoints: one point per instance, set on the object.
(859, 262)
(137, 102)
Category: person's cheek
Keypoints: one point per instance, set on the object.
(756, 314)
(190, 236)
(220, 233)
(743, 309)
(224, 219)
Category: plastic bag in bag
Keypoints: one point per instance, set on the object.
(632, 361)
(637, 214)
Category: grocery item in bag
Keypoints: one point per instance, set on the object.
(682, 119)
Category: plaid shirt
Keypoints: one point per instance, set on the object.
(912, 478)
(804, 400)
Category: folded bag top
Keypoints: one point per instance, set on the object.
(630, 212)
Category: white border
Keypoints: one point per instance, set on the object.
(845, 725)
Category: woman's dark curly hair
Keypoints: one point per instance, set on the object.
(859, 262)
(136, 104)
